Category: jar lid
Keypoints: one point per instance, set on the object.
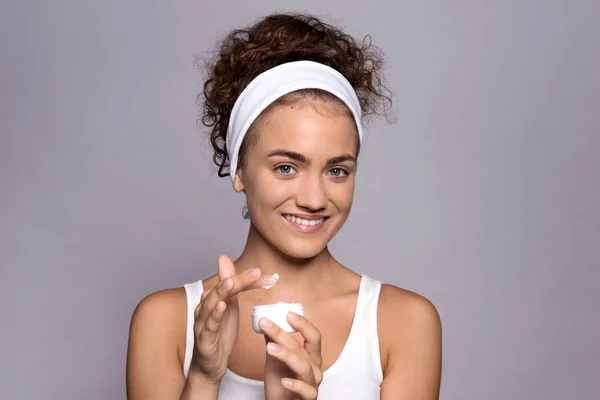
(277, 308)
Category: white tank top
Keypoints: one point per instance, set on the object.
(356, 374)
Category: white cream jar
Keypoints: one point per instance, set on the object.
(277, 313)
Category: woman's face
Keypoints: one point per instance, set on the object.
(299, 176)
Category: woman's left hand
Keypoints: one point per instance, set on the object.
(292, 370)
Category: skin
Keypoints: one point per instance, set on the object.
(302, 163)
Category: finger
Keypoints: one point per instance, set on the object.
(214, 320)
(202, 298)
(311, 335)
(226, 267)
(227, 270)
(279, 336)
(228, 288)
(218, 293)
(205, 295)
(304, 390)
(300, 364)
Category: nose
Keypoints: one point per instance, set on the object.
(311, 194)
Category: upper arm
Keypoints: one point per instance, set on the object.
(154, 367)
(411, 329)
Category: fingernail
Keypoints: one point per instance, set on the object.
(273, 348)
(265, 323)
(254, 273)
(288, 383)
(293, 316)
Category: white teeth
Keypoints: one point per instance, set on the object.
(305, 222)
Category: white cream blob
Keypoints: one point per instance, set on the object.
(276, 276)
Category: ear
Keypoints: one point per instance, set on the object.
(238, 181)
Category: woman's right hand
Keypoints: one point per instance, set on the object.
(217, 320)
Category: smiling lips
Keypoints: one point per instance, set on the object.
(307, 224)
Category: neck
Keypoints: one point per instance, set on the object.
(299, 278)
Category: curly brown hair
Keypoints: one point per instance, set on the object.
(277, 39)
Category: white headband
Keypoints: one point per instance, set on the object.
(277, 82)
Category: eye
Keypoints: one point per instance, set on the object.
(338, 172)
(286, 169)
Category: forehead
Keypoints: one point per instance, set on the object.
(313, 128)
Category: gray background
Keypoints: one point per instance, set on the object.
(483, 196)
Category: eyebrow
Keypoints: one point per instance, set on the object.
(301, 158)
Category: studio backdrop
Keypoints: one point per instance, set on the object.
(482, 194)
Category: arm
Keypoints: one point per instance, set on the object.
(196, 389)
(155, 351)
(411, 330)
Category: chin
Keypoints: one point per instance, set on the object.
(301, 251)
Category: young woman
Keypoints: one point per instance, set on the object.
(285, 102)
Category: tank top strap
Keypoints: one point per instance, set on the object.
(366, 319)
(193, 292)
(368, 299)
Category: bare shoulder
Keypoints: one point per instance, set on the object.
(156, 345)
(159, 318)
(160, 309)
(412, 308)
(405, 320)
(168, 306)
(410, 339)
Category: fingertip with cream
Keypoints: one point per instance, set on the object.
(271, 280)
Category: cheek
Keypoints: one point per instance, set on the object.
(264, 191)
(342, 196)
